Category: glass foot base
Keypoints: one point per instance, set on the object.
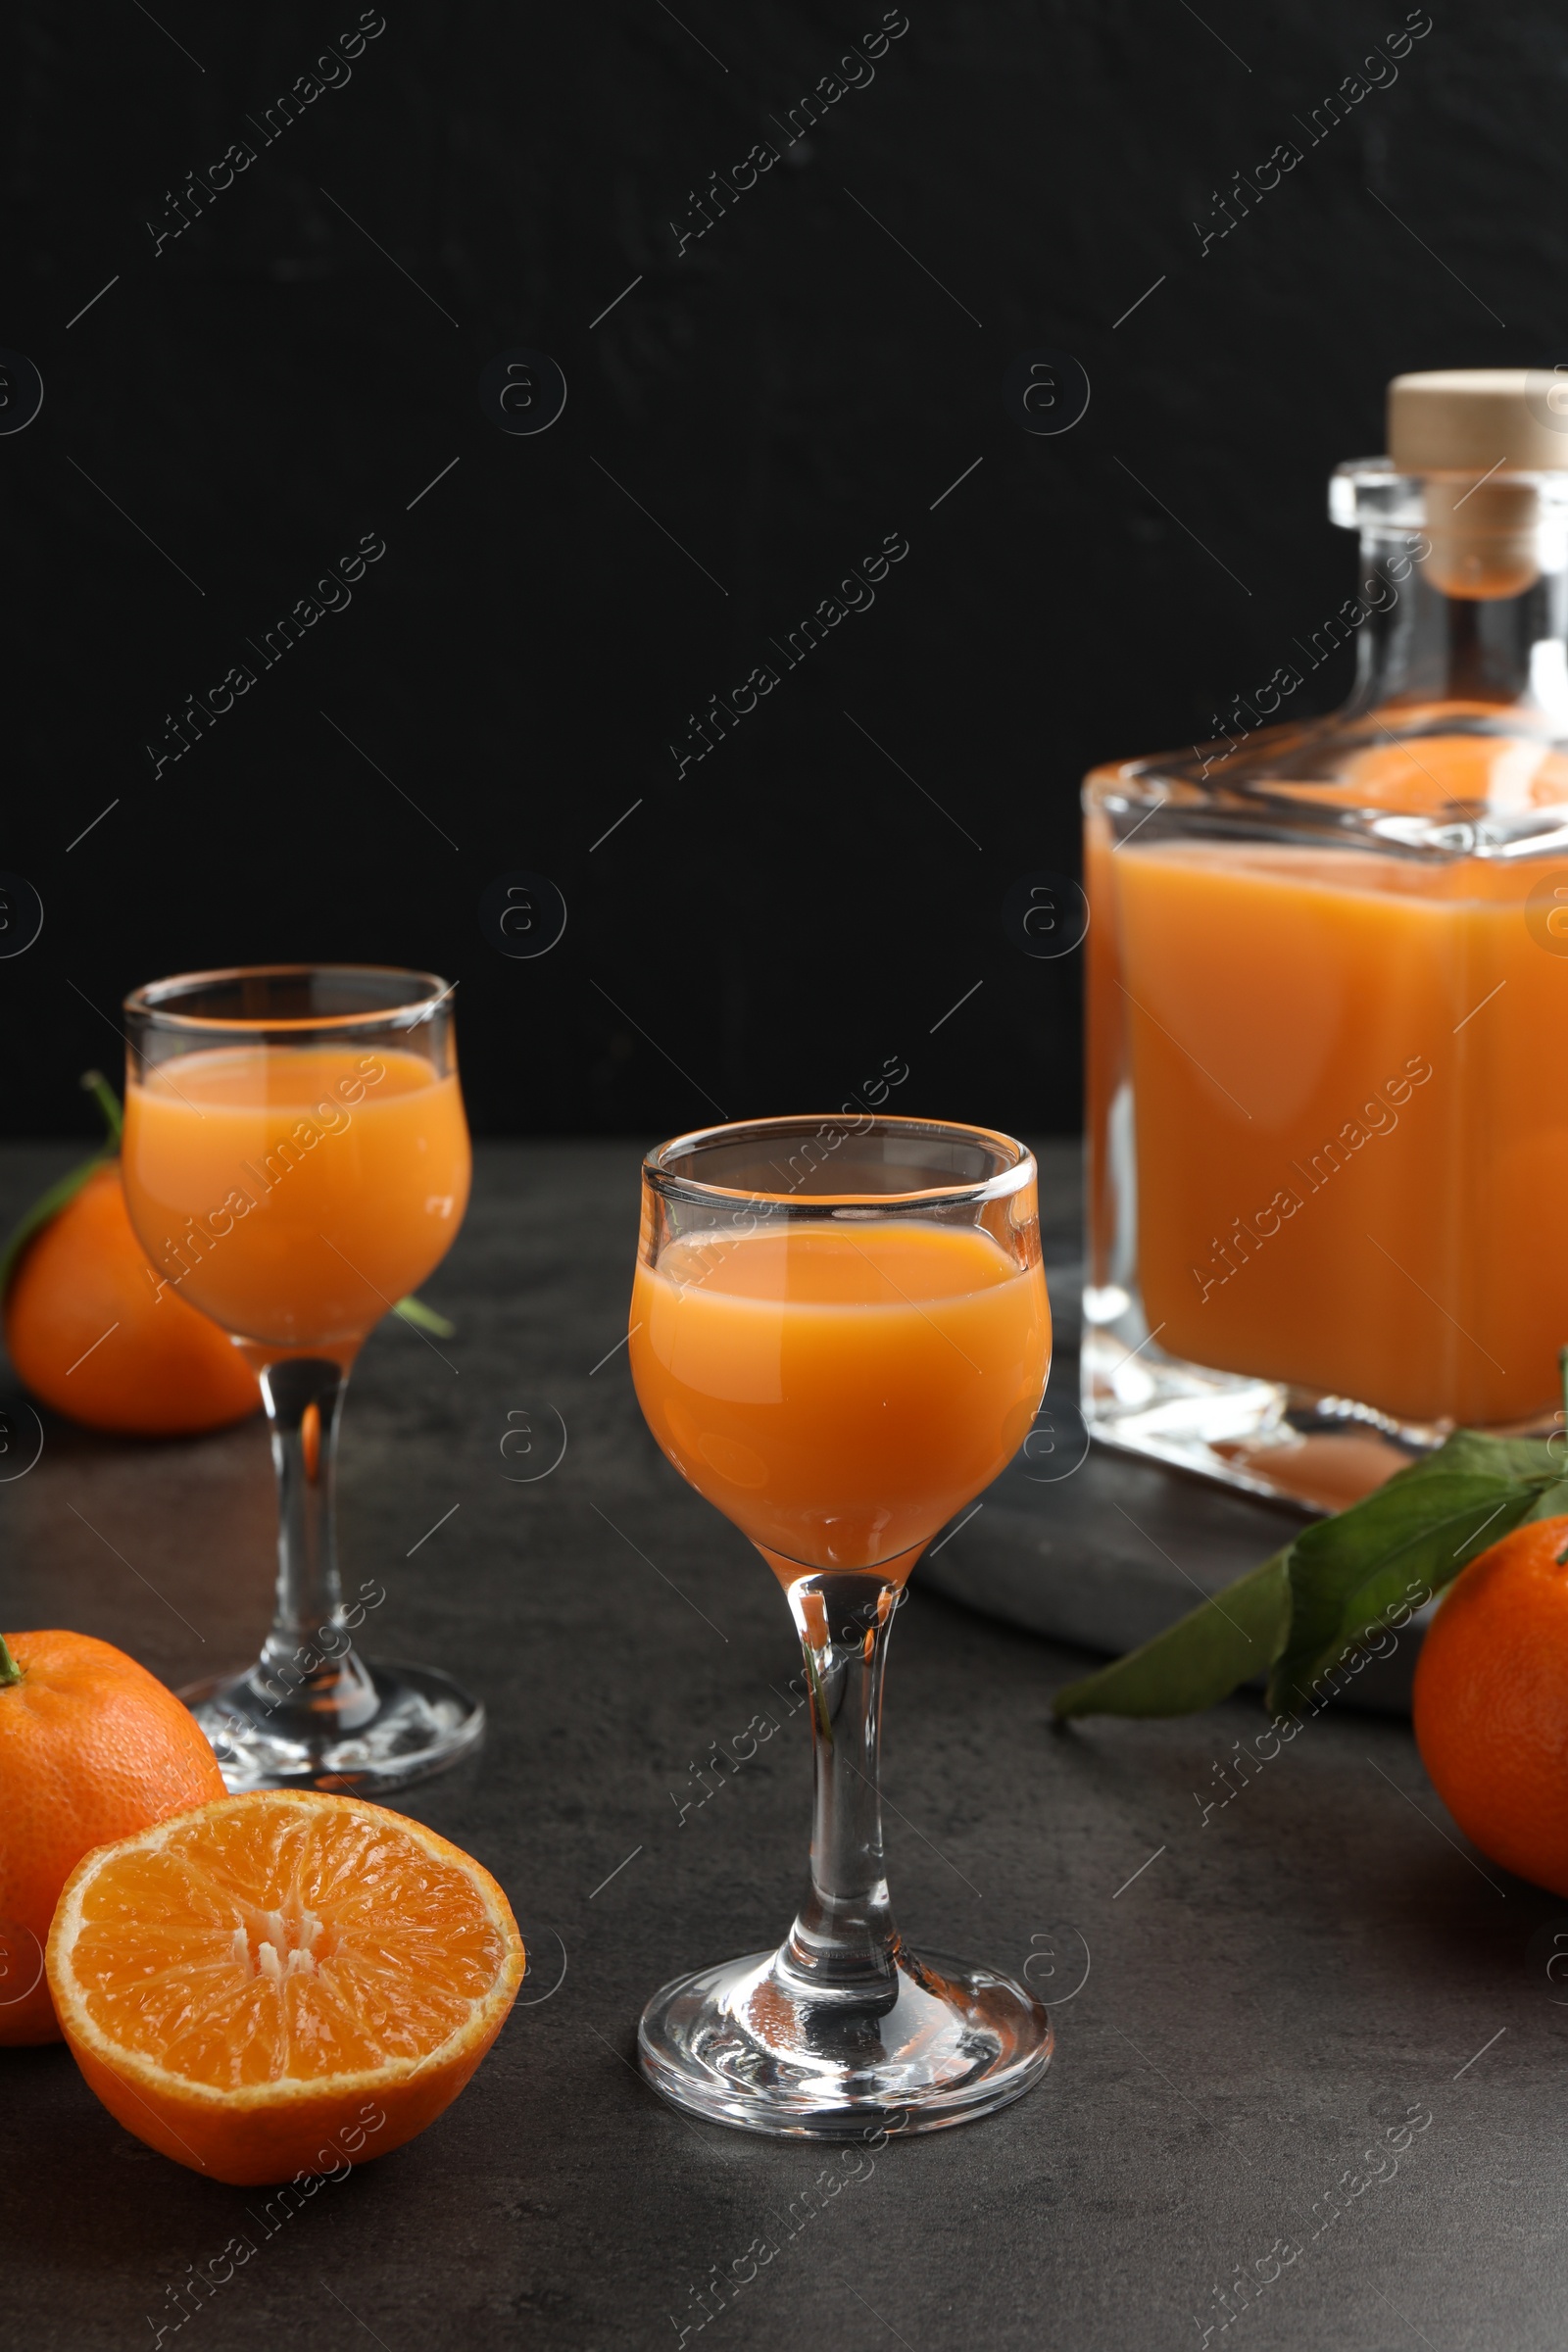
(422, 1724)
(1300, 1445)
(744, 2043)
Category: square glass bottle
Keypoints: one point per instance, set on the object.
(1327, 1052)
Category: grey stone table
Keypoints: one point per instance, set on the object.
(1248, 1998)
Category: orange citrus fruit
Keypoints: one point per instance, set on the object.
(282, 1981)
(1491, 1702)
(90, 1331)
(91, 1748)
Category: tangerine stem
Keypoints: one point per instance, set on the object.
(9, 1671)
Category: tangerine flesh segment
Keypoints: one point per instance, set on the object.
(254, 1945)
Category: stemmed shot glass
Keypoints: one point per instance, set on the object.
(840, 1334)
(296, 1161)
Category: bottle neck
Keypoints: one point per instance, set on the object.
(1423, 641)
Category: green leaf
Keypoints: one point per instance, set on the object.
(1550, 1503)
(95, 1083)
(1311, 1607)
(424, 1318)
(48, 1204)
(44, 1209)
(1390, 1552)
(1199, 1660)
(1471, 1450)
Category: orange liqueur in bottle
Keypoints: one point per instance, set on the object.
(1328, 1001)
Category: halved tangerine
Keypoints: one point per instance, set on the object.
(282, 1981)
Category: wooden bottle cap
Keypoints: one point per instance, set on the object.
(1479, 421)
(1467, 430)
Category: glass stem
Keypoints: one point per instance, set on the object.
(844, 1938)
(308, 1666)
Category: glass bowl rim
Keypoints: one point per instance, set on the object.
(427, 992)
(668, 1183)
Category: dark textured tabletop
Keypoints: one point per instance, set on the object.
(1311, 2073)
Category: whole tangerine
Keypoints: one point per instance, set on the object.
(1491, 1702)
(92, 1747)
(92, 1333)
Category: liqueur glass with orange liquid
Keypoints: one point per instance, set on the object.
(296, 1161)
(840, 1335)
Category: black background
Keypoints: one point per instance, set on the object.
(766, 932)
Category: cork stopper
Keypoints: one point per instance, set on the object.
(1466, 430)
